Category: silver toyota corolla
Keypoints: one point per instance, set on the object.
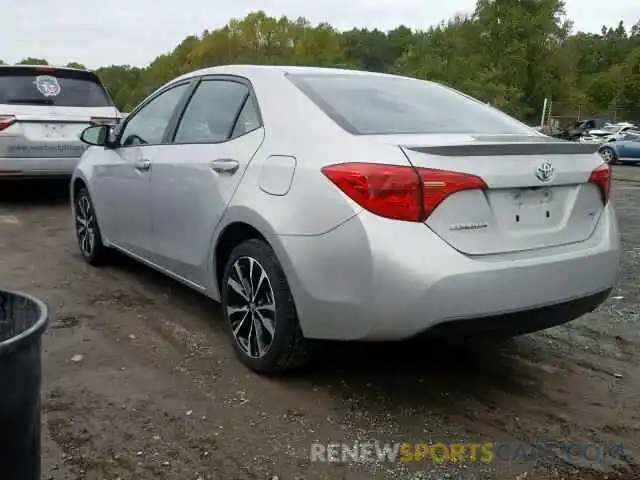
(331, 204)
(43, 110)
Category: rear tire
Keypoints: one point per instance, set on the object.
(259, 311)
(88, 232)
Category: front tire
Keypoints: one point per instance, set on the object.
(259, 311)
(609, 155)
(88, 232)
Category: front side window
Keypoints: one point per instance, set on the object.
(148, 125)
(366, 104)
(212, 112)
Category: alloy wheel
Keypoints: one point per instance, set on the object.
(607, 154)
(85, 225)
(250, 307)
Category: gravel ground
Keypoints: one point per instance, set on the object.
(141, 383)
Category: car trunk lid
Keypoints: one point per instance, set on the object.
(538, 192)
(48, 131)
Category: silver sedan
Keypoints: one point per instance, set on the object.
(332, 204)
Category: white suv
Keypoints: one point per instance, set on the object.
(43, 110)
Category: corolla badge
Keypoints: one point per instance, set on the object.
(545, 171)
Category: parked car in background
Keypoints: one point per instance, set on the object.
(610, 132)
(581, 127)
(623, 150)
(43, 110)
(319, 203)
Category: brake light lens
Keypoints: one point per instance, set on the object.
(44, 69)
(104, 121)
(601, 177)
(6, 121)
(439, 184)
(386, 190)
(399, 192)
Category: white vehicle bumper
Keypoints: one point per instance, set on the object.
(24, 168)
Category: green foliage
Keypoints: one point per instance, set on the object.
(509, 53)
(76, 65)
(32, 61)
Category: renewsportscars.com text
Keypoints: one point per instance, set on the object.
(488, 452)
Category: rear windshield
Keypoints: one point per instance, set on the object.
(25, 86)
(377, 105)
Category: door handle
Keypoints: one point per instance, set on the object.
(224, 165)
(142, 165)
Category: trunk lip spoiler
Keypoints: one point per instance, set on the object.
(492, 149)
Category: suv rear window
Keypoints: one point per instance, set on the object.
(383, 105)
(61, 88)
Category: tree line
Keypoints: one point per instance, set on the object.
(510, 53)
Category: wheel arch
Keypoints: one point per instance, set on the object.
(77, 184)
(239, 224)
(233, 235)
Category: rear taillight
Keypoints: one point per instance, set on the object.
(398, 192)
(439, 184)
(386, 190)
(6, 121)
(601, 177)
(104, 121)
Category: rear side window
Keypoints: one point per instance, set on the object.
(60, 88)
(379, 105)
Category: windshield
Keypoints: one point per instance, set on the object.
(376, 105)
(62, 88)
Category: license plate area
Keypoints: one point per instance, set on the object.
(533, 208)
(528, 209)
(54, 130)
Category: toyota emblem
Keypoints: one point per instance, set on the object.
(545, 172)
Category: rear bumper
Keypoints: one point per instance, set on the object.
(372, 279)
(23, 168)
(517, 323)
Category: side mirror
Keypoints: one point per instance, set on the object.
(97, 135)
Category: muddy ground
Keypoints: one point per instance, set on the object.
(141, 383)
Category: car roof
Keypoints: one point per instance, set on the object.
(267, 70)
(54, 67)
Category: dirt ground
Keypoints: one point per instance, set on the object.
(140, 381)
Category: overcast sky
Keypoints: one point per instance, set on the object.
(134, 32)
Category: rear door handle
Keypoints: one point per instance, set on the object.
(224, 165)
(142, 165)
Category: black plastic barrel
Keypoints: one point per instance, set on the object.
(23, 319)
